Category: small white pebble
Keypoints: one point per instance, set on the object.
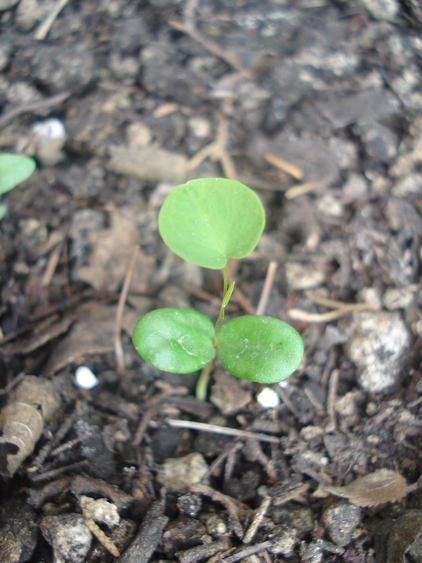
(52, 128)
(85, 379)
(268, 398)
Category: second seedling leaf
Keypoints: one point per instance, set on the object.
(14, 169)
(175, 340)
(259, 348)
(209, 220)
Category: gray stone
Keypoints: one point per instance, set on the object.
(355, 186)
(311, 553)
(368, 106)
(7, 4)
(5, 52)
(408, 186)
(380, 142)
(382, 9)
(399, 298)
(57, 67)
(378, 342)
(302, 276)
(402, 215)
(23, 93)
(69, 537)
(285, 541)
(340, 521)
(178, 473)
(84, 181)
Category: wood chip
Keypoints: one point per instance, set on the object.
(384, 485)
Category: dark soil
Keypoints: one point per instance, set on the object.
(316, 105)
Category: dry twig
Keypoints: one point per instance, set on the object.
(283, 165)
(257, 521)
(266, 290)
(332, 394)
(34, 107)
(213, 428)
(118, 347)
(44, 28)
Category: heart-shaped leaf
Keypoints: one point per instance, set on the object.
(14, 169)
(209, 220)
(175, 340)
(258, 348)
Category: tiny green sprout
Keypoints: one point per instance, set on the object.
(206, 222)
(14, 169)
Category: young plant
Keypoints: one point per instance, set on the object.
(14, 169)
(206, 222)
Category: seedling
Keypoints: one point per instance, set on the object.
(14, 169)
(206, 222)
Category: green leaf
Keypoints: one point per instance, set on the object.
(3, 210)
(209, 220)
(14, 169)
(258, 348)
(175, 340)
(229, 292)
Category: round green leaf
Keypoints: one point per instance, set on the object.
(175, 340)
(14, 169)
(209, 220)
(258, 348)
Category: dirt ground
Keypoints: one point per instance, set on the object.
(317, 106)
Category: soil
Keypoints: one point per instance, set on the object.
(317, 106)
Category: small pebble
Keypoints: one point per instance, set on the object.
(178, 473)
(52, 128)
(268, 398)
(340, 521)
(85, 378)
(68, 536)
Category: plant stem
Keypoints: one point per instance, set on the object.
(223, 306)
(202, 383)
(226, 275)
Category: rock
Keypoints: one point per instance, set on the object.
(68, 536)
(150, 164)
(5, 52)
(178, 473)
(408, 186)
(382, 9)
(32, 233)
(402, 215)
(7, 4)
(138, 136)
(189, 504)
(18, 531)
(50, 137)
(348, 406)
(285, 541)
(340, 521)
(345, 152)
(30, 12)
(102, 511)
(380, 142)
(309, 433)
(21, 93)
(355, 186)
(367, 106)
(302, 276)
(125, 69)
(229, 394)
(330, 206)
(311, 553)
(268, 398)
(395, 298)
(57, 67)
(378, 342)
(216, 526)
(83, 182)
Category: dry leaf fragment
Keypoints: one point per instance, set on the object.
(379, 487)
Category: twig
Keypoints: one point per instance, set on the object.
(247, 551)
(266, 290)
(347, 308)
(44, 28)
(33, 107)
(12, 384)
(334, 304)
(332, 394)
(234, 445)
(118, 347)
(304, 189)
(226, 501)
(291, 495)
(217, 151)
(257, 521)
(189, 27)
(287, 402)
(78, 466)
(283, 165)
(213, 428)
(94, 528)
(52, 262)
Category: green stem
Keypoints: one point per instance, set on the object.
(226, 275)
(202, 383)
